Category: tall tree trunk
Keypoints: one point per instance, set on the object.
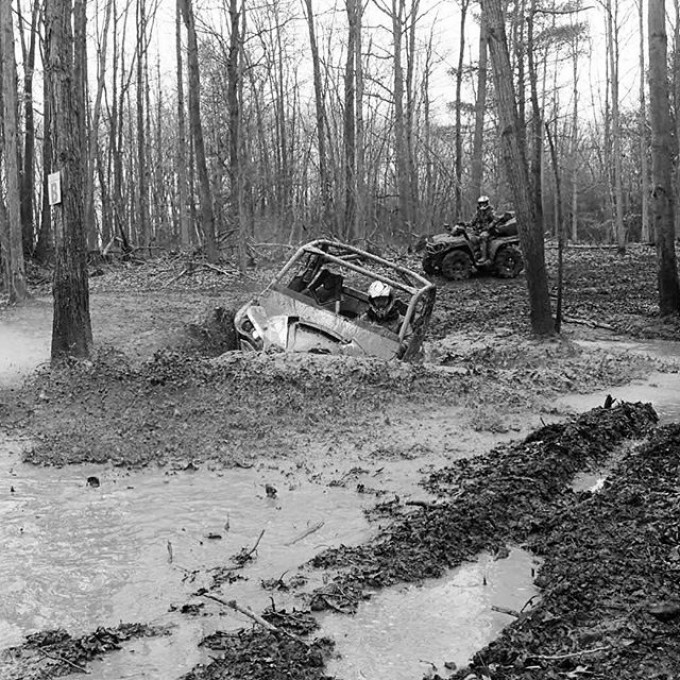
(184, 238)
(513, 142)
(477, 164)
(400, 145)
(662, 204)
(536, 122)
(234, 73)
(573, 152)
(319, 101)
(44, 248)
(93, 141)
(349, 123)
(613, 55)
(458, 210)
(142, 165)
(12, 251)
(207, 212)
(360, 228)
(71, 329)
(28, 172)
(642, 127)
(410, 131)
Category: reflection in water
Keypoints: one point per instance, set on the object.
(402, 632)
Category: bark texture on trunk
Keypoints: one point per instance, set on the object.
(662, 203)
(207, 211)
(71, 329)
(12, 246)
(513, 146)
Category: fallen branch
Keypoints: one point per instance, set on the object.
(586, 322)
(219, 270)
(61, 659)
(425, 504)
(504, 610)
(304, 534)
(247, 611)
(558, 657)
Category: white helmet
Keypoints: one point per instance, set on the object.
(483, 201)
(381, 298)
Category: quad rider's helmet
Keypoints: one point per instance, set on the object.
(381, 299)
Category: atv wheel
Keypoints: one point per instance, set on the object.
(457, 265)
(428, 266)
(508, 262)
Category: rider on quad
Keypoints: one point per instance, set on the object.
(483, 220)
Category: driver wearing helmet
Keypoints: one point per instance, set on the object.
(484, 218)
(383, 307)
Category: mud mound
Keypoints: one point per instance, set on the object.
(611, 589)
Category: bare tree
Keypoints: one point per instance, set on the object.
(513, 145)
(12, 251)
(28, 171)
(207, 211)
(477, 163)
(642, 128)
(458, 106)
(611, 15)
(662, 204)
(320, 108)
(349, 136)
(71, 329)
(181, 137)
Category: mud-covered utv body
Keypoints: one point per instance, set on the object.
(315, 304)
(454, 253)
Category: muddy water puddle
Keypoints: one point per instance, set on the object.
(406, 632)
(24, 341)
(78, 557)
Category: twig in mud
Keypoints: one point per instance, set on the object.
(505, 610)
(247, 611)
(558, 657)
(254, 548)
(529, 601)
(306, 533)
(246, 555)
(425, 504)
(61, 659)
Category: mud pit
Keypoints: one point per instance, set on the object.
(371, 434)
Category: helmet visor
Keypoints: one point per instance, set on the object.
(381, 302)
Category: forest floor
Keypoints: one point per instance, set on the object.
(155, 393)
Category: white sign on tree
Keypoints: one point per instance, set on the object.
(54, 187)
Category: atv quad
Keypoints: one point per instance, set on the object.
(454, 254)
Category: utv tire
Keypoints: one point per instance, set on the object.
(428, 266)
(508, 262)
(457, 265)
